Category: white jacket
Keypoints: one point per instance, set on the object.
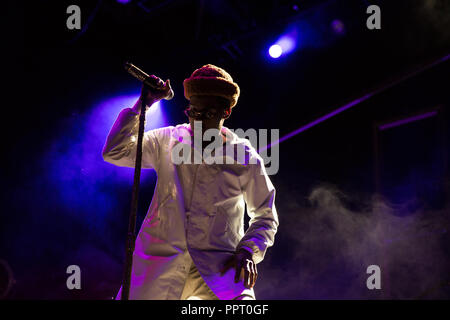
(197, 212)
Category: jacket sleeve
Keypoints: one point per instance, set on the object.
(259, 195)
(120, 147)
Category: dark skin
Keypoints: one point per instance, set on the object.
(245, 268)
(216, 107)
(241, 261)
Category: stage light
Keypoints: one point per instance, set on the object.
(275, 51)
(407, 120)
(75, 169)
(123, 1)
(362, 99)
(284, 45)
(106, 112)
(155, 117)
(319, 120)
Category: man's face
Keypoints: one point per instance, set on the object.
(215, 106)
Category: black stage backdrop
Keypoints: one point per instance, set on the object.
(365, 186)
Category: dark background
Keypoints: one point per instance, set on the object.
(348, 194)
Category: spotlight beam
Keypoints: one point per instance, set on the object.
(357, 101)
(407, 120)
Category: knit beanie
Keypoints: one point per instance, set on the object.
(211, 80)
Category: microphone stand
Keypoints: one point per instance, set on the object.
(131, 237)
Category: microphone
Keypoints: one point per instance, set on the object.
(153, 82)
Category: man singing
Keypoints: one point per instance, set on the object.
(192, 243)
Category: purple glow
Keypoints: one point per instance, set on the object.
(123, 1)
(407, 120)
(104, 114)
(338, 26)
(75, 168)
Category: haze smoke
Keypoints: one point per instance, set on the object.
(332, 238)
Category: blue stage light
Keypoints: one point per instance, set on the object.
(275, 51)
(284, 45)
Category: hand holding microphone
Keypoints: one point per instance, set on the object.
(150, 95)
(153, 89)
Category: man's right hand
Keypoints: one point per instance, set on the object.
(151, 95)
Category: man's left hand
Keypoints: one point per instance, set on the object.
(245, 268)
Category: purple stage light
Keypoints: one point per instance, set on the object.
(364, 98)
(319, 120)
(407, 120)
(104, 114)
(155, 117)
(123, 1)
(76, 170)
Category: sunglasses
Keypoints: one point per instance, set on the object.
(199, 115)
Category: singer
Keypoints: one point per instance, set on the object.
(192, 243)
